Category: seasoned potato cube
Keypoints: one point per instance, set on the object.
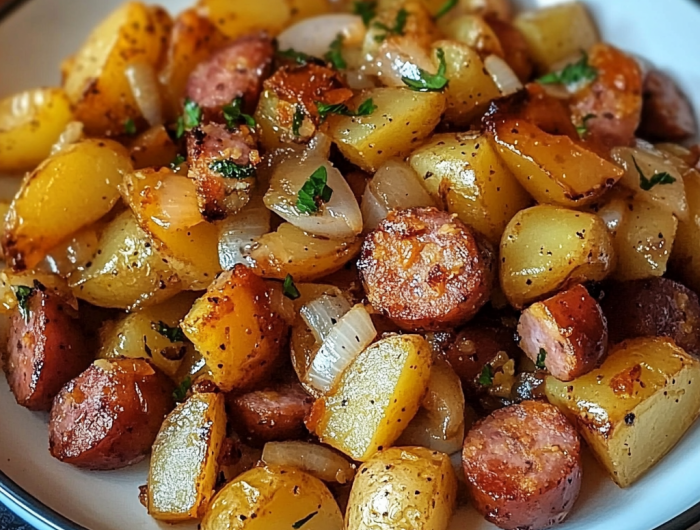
(545, 249)
(184, 465)
(153, 148)
(274, 497)
(557, 33)
(685, 258)
(30, 123)
(378, 394)
(237, 18)
(414, 481)
(403, 117)
(68, 191)
(96, 82)
(473, 31)
(635, 407)
(235, 329)
(464, 173)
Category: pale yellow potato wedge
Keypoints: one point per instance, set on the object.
(236, 18)
(685, 258)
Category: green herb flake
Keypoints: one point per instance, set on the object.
(177, 161)
(290, 290)
(130, 127)
(313, 191)
(366, 10)
(303, 521)
(335, 54)
(582, 129)
(23, 294)
(366, 108)
(230, 170)
(298, 120)
(541, 358)
(191, 118)
(233, 114)
(180, 392)
(397, 29)
(172, 334)
(486, 376)
(572, 75)
(446, 8)
(658, 178)
(428, 82)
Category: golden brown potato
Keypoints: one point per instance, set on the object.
(418, 486)
(153, 148)
(96, 82)
(235, 19)
(30, 123)
(473, 31)
(70, 190)
(376, 397)
(184, 461)
(545, 249)
(235, 330)
(635, 407)
(464, 173)
(403, 117)
(274, 497)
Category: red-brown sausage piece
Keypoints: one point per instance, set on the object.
(425, 269)
(238, 70)
(522, 466)
(108, 417)
(275, 414)
(667, 115)
(44, 351)
(568, 331)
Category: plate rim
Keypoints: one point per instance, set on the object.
(34, 512)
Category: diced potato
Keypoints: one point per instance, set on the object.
(634, 408)
(127, 270)
(96, 82)
(235, 329)
(153, 148)
(68, 191)
(545, 249)
(464, 173)
(557, 33)
(193, 252)
(498, 8)
(30, 123)
(274, 497)
(236, 18)
(140, 335)
(403, 118)
(473, 31)
(378, 394)
(302, 9)
(686, 247)
(193, 366)
(290, 250)
(417, 487)
(184, 465)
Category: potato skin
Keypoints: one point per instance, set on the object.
(425, 269)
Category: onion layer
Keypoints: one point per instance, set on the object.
(177, 199)
(317, 460)
(239, 232)
(146, 90)
(72, 134)
(323, 313)
(314, 36)
(502, 74)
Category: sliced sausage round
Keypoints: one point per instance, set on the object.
(238, 70)
(108, 417)
(568, 333)
(667, 115)
(656, 307)
(45, 349)
(425, 269)
(522, 466)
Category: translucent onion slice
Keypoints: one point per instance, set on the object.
(317, 460)
(177, 201)
(146, 90)
(314, 36)
(350, 336)
(322, 313)
(444, 400)
(239, 232)
(319, 146)
(502, 74)
(281, 304)
(397, 58)
(72, 134)
(425, 432)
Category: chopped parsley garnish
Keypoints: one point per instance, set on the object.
(658, 178)
(486, 376)
(396, 29)
(177, 161)
(366, 10)
(298, 120)
(191, 117)
(572, 74)
(335, 54)
(23, 294)
(233, 114)
(180, 392)
(290, 290)
(446, 8)
(303, 521)
(582, 129)
(298, 57)
(172, 334)
(541, 357)
(313, 191)
(230, 170)
(366, 108)
(130, 127)
(430, 82)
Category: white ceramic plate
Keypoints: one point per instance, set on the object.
(38, 34)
